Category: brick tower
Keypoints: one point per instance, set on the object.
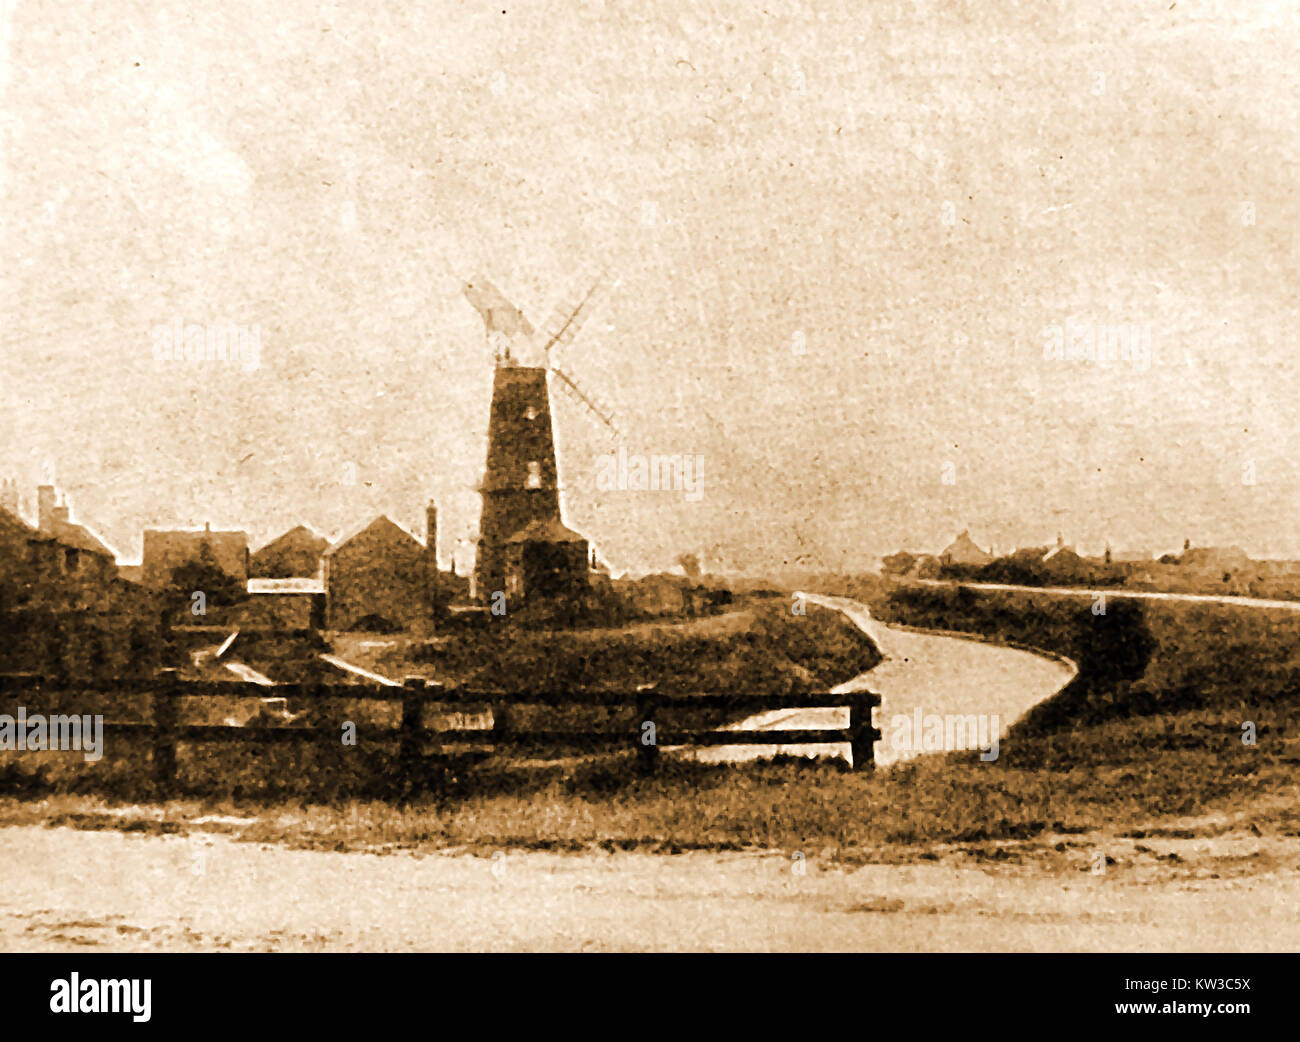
(520, 485)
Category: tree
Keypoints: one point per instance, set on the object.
(205, 576)
(897, 564)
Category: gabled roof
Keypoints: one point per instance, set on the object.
(80, 537)
(11, 520)
(546, 530)
(299, 535)
(67, 533)
(1063, 550)
(964, 544)
(382, 521)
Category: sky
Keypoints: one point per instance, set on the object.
(834, 241)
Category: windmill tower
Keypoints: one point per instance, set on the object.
(520, 488)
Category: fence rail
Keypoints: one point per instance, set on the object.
(650, 732)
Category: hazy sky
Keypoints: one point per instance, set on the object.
(833, 235)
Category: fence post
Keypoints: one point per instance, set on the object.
(646, 738)
(500, 724)
(862, 734)
(165, 703)
(411, 739)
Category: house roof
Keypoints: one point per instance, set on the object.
(1061, 550)
(80, 538)
(1214, 557)
(382, 521)
(12, 520)
(165, 549)
(546, 530)
(965, 544)
(298, 536)
(68, 533)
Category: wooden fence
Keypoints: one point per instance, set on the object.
(651, 731)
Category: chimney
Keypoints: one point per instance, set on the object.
(431, 555)
(61, 511)
(9, 497)
(45, 509)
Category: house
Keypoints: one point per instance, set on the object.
(964, 551)
(1213, 567)
(1216, 560)
(544, 559)
(70, 549)
(56, 561)
(165, 551)
(662, 595)
(64, 608)
(381, 576)
(295, 554)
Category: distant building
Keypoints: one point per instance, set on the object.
(53, 522)
(60, 561)
(658, 595)
(165, 551)
(381, 577)
(545, 559)
(296, 554)
(1064, 564)
(963, 550)
(1228, 567)
(1216, 559)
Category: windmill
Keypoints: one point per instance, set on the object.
(520, 489)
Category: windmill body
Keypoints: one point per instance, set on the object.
(521, 485)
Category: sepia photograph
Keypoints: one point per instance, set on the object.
(581, 476)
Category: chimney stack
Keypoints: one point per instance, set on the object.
(431, 556)
(9, 497)
(45, 509)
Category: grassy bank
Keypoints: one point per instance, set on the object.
(1146, 742)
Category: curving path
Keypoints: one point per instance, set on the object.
(937, 674)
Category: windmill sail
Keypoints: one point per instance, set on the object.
(577, 392)
(499, 315)
(564, 323)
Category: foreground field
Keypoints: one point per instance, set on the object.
(103, 891)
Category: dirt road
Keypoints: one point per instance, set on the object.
(933, 674)
(68, 890)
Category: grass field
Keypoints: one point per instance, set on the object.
(761, 648)
(1147, 738)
